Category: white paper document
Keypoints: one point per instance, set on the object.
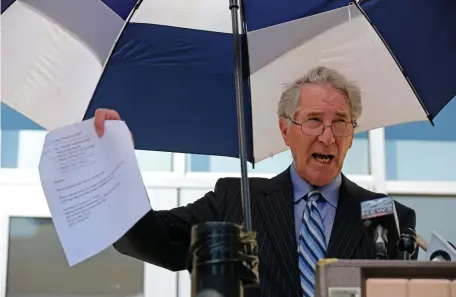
(93, 186)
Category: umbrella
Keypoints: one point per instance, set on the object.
(171, 72)
(168, 66)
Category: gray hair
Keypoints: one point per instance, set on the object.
(289, 100)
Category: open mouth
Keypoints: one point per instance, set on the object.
(322, 158)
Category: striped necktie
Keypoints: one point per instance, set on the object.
(312, 244)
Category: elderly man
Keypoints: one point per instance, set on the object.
(308, 212)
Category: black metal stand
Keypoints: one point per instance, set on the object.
(234, 7)
(215, 252)
(223, 260)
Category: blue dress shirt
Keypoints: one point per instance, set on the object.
(326, 206)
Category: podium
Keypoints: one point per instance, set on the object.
(388, 278)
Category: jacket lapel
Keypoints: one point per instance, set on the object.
(348, 227)
(277, 209)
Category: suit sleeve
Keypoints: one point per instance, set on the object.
(409, 221)
(162, 238)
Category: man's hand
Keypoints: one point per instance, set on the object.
(102, 115)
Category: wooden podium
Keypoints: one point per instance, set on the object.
(390, 278)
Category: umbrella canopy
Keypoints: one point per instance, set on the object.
(167, 66)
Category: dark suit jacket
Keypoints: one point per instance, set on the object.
(163, 237)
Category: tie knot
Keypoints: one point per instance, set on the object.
(313, 196)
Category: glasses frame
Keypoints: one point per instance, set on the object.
(354, 124)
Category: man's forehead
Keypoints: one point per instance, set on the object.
(318, 95)
(338, 112)
(323, 103)
(323, 111)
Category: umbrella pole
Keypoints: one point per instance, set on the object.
(234, 7)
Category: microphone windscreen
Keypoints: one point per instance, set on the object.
(381, 211)
(377, 208)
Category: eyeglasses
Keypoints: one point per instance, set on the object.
(315, 127)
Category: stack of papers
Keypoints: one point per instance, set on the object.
(93, 186)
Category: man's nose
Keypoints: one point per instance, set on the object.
(327, 136)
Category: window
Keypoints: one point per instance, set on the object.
(22, 142)
(432, 213)
(154, 161)
(420, 151)
(37, 266)
(357, 161)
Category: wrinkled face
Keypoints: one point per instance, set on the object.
(318, 159)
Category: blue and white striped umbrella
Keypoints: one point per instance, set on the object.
(167, 66)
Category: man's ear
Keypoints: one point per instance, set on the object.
(351, 140)
(284, 129)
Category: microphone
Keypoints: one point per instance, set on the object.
(407, 244)
(380, 216)
(380, 242)
(440, 256)
(440, 250)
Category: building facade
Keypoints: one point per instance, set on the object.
(415, 163)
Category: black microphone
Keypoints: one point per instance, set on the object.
(440, 256)
(407, 244)
(379, 215)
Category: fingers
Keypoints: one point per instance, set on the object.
(101, 115)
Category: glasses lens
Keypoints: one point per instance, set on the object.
(312, 127)
(342, 128)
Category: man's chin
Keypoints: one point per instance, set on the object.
(318, 175)
(321, 178)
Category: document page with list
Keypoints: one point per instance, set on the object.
(93, 186)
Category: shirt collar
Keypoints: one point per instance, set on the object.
(301, 187)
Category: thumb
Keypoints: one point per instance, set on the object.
(101, 115)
